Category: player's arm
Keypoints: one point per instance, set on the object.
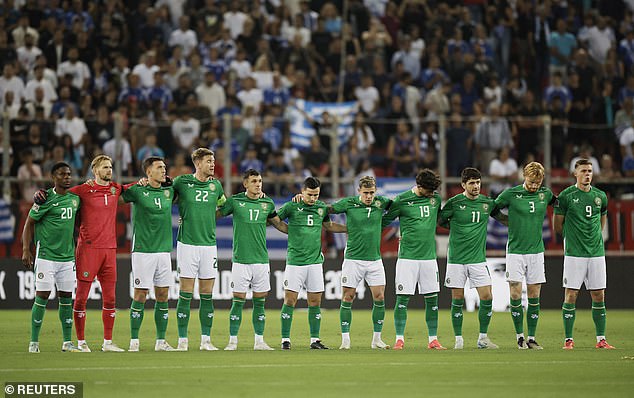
(501, 217)
(444, 215)
(334, 227)
(277, 223)
(27, 238)
(391, 215)
(559, 223)
(560, 206)
(123, 188)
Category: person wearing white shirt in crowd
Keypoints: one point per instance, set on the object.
(39, 101)
(73, 126)
(297, 28)
(599, 39)
(234, 19)
(585, 152)
(185, 131)
(28, 172)
(22, 30)
(250, 95)
(122, 157)
(367, 95)
(240, 65)
(10, 105)
(211, 94)
(28, 53)
(78, 69)
(39, 81)
(184, 36)
(146, 69)
(48, 73)
(10, 82)
(503, 171)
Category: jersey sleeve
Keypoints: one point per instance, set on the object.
(552, 198)
(561, 204)
(221, 194)
(340, 206)
(393, 212)
(502, 201)
(446, 213)
(227, 207)
(284, 211)
(604, 204)
(271, 208)
(386, 203)
(38, 211)
(130, 194)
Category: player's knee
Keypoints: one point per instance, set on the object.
(290, 301)
(598, 295)
(378, 296)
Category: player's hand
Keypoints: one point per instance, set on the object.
(168, 182)
(90, 182)
(297, 198)
(40, 197)
(262, 195)
(143, 181)
(27, 259)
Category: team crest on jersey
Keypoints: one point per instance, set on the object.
(40, 275)
(113, 190)
(137, 281)
(74, 202)
(166, 193)
(86, 273)
(344, 279)
(377, 203)
(320, 212)
(541, 196)
(400, 288)
(212, 186)
(285, 282)
(485, 206)
(597, 201)
(432, 201)
(448, 281)
(265, 206)
(35, 207)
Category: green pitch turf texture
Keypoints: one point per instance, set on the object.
(413, 372)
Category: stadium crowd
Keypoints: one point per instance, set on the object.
(166, 71)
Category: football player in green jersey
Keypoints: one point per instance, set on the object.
(417, 209)
(199, 195)
(151, 247)
(580, 215)
(466, 215)
(304, 263)
(53, 224)
(527, 205)
(362, 258)
(250, 260)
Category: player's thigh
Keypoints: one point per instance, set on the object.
(261, 281)
(428, 278)
(375, 273)
(44, 272)
(65, 276)
(536, 272)
(295, 277)
(315, 278)
(406, 276)
(596, 278)
(241, 276)
(108, 272)
(456, 276)
(352, 273)
(575, 271)
(516, 267)
(479, 275)
(163, 274)
(88, 262)
(143, 266)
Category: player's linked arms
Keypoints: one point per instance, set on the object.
(278, 224)
(335, 227)
(501, 217)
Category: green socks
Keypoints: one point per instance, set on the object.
(206, 314)
(569, 312)
(431, 314)
(314, 321)
(37, 316)
(517, 314)
(287, 320)
(532, 315)
(345, 316)
(136, 318)
(484, 314)
(235, 316)
(258, 317)
(400, 313)
(456, 316)
(161, 317)
(598, 316)
(378, 315)
(66, 317)
(183, 309)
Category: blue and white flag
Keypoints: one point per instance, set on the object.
(302, 131)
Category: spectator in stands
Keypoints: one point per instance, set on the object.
(76, 68)
(134, 91)
(186, 131)
(503, 170)
(159, 93)
(561, 44)
(179, 165)
(363, 135)
(628, 90)
(121, 154)
(10, 82)
(559, 90)
(28, 53)
(402, 150)
(146, 69)
(27, 172)
(149, 149)
(183, 90)
(598, 39)
(35, 145)
(184, 36)
(73, 126)
(262, 148)
(251, 160)
(626, 48)
(492, 134)
(317, 159)
(469, 93)
(72, 154)
(429, 145)
(279, 175)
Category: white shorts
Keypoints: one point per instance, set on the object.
(310, 277)
(410, 273)
(60, 274)
(529, 266)
(458, 274)
(588, 270)
(196, 261)
(151, 270)
(353, 272)
(258, 276)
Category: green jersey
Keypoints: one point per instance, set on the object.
(249, 227)
(197, 203)
(364, 226)
(526, 212)
(55, 226)
(304, 231)
(582, 223)
(418, 216)
(151, 218)
(467, 219)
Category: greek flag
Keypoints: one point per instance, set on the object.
(302, 131)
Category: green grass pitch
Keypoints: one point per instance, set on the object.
(413, 372)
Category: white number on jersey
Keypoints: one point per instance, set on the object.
(254, 214)
(589, 211)
(475, 216)
(424, 211)
(309, 221)
(201, 196)
(532, 205)
(157, 201)
(67, 213)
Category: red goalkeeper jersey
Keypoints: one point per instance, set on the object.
(98, 214)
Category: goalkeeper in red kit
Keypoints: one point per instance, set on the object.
(96, 248)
